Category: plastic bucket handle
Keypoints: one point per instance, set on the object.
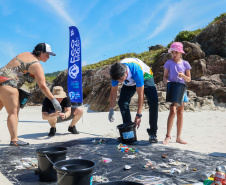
(61, 178)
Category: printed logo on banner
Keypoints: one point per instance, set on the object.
(75, 85)
(71, 95)
(73, 71)
(75, 50)
(75, 67)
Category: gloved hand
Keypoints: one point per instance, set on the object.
(56, 105)
(111, 115)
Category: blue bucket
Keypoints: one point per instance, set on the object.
(175, 92)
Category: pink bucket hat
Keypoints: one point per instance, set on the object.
(176, 46)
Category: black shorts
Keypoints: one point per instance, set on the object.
(59, 120)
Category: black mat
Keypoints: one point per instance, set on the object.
(114, 170)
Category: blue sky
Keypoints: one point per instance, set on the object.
(107, 27)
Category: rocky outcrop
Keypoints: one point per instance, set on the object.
(213, 38)
(207, 88)
(156, 47)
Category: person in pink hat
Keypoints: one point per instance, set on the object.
(176, 70)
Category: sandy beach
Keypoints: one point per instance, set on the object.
(203, 130)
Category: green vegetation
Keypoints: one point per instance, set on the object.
(189, 35)
(30, 86)
(52, 74)
(147, 57)
(218, 18)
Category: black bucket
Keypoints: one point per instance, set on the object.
(175, 92)
(24, 97)
(74, 171)
(127, 133)
(46, 158)
(120, 183)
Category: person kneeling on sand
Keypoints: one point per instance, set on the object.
(68, 112)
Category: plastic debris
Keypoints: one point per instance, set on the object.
(63, 168)
(149, 179)
(97, 178)
(164, 155)
(163, 165)
(130, 156)
(150, 164)
(125, 148)
(175, 170)
(106, 160)
(27, 163)
(101, 141)
(127, 167)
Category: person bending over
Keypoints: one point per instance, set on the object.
(24, 67)
(68, 112)
(136, 77)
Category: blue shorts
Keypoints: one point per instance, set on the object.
(185, 97)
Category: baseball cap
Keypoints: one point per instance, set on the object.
(44, 48)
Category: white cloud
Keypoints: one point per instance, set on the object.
(167, 19)
(185, 14)
(59, 5)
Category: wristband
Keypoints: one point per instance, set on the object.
(139, 115)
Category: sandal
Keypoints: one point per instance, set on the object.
(18, 143)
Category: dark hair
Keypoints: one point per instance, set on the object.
(39, 48)
(36, 53)
(117, 71)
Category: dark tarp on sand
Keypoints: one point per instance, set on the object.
(114, 170)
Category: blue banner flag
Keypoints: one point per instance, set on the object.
(74, 79)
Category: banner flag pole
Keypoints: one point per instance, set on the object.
(74, 78)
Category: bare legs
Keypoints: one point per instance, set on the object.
(9, 98)
(77, 115)
(174, 110)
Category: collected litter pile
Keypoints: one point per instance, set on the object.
(25, 163)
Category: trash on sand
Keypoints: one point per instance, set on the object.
(175, 170)
(150, 164)
(166, 171)
(125, 148)
(97, 178)
(106, 160)
(130, 156)
(20, 167)
(164, 155)
(149, 179)
(127, 167)
(101, 141)
(163, 165)
(175, 163)
(27, 163)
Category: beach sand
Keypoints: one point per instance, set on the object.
(205, 131)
